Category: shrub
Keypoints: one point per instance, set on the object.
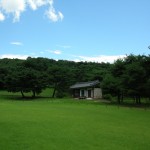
(108, 97)
(60, 94)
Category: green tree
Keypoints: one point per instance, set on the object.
(109, 85)
(25, 80)
(134, 77)
(3, 74)
(58, 77)
(118, 72)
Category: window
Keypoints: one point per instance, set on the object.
(82, 93)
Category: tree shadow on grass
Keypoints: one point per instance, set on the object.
(129, 105)
(20, 98)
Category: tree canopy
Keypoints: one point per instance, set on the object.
(125, 77)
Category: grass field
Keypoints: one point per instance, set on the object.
(65, 124)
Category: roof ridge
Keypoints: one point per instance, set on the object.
(88, 82)
(85, 84)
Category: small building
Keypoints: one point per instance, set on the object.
(87, 90)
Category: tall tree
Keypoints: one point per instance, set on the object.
(24, 80)
(118, 70)
(58, 77)
(134, 77)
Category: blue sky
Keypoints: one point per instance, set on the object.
(78, 30)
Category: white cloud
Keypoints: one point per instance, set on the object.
(12, 56)
(57, 52)
(34, 4)
(16, 43)
(60, 15)
(16, 7)
(53, 15)
(2, 17)
(101, 58)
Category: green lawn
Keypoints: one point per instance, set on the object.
(65, 124)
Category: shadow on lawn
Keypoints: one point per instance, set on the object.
(129, 105)
(20, 98)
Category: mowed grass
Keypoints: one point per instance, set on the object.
(66, 124)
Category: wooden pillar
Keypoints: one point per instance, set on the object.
(93, 92)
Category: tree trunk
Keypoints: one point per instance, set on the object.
(33, 91)
(122, 97)
(118, 98)
(22, 94)
(55, 87)
(138, 99)
(54, 92)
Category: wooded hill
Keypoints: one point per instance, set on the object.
(126, 77)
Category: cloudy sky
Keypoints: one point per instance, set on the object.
(79, 30)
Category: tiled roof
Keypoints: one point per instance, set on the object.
(85, 84)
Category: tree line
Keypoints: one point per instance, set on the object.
(129, 77)
(125, 77)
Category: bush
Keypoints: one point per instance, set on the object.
(108, 97)
(60, 94)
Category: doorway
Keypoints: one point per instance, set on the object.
(89, 93)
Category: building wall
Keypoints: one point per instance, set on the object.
(86, 92)
(97, 93)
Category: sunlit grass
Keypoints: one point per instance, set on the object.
(67, 124)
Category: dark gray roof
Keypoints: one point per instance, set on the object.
(85, 84)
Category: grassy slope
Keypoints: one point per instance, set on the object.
(72, 125)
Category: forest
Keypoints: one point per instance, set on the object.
(128, 77)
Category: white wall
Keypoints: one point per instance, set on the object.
(97, 93)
